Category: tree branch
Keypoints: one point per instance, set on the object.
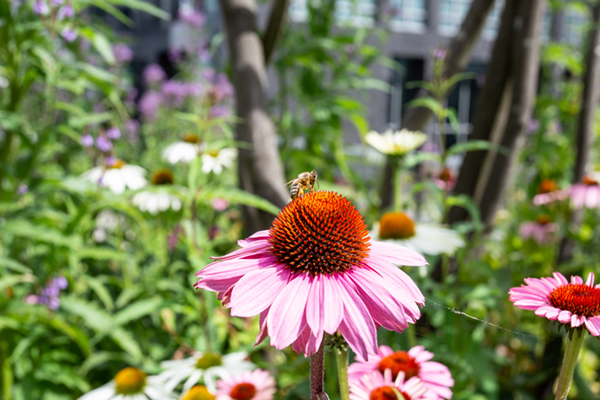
(459, 54)
(274, 27)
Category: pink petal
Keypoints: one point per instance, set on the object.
(315, 312)
(590, 280)
(593, 325)
(397, 254)
(332, 304)
(530, 304)
(576, 321)
(286, 319)
(357, 327)
(564, 316)
(264, 331)
(256, 291)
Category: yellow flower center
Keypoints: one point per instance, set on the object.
(213, 153)
(191, 138)
(118, 164)
(198, 392)
(396, 225)
(130, 381)
(162, 177)
(208, 360)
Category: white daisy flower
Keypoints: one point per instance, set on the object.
(118, 177)
(214, 161)
(396, 143)
(399, 228)
(207, 366)
(183, 151)
(130, 384)
(159, 198)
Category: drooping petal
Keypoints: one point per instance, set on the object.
(286, 319)
(246, 301)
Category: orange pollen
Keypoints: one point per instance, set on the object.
(547, 186)
(243, 391)
(580, 299)
(588, 180)
(396, 225)
(130, 381)
(387, 393)
(191, 138)
(319, 233)
(118, 164)
(162, 177)
(398, 362)
(543, 219)
(198, 392)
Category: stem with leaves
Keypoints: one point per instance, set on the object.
(574, 343)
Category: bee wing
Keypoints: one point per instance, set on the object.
(290, 182)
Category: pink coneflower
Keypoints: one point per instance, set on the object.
(574, 304)
(548, 192)
(542, 230)
(436, 377)
(250, 385)
(446, 179)
(378, 386)
(316, 270)
(585, 194)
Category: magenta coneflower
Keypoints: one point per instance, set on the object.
(250, 385)
(542, 230)
(436, 377)
(548, 192)
(585, 194)
(316, 270)
(574, 304)
(378, 386)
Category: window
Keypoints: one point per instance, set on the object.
(298, 11)
(355, 12)
(410, 15)
(410, 70)
(576, 25)
(453, 12)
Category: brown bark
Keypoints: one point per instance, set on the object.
(488, 108)
(274, 27)
(259, 167)
(585, 123)
(525, 66)
(459, 54)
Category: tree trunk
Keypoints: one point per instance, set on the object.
(525, 66)
(260, 169)
(585, 124)
(459, 54)
(489, 110)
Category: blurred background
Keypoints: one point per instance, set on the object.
(139, 138)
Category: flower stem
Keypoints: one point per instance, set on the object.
(341, 358)
(398, 179)
(317, 372)
(566, 371)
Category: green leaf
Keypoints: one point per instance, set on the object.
(72, 332)
(473, 145)
(88, 119)
(11, 280)
(142, 6)
(427, 102)
(413, 159)
(94, 317)
(102, 253)
(97, 359)
(468, 204)
(127, 342)
(10, 121)
(42, 233)
(240, 197)
(103, 46)
(101, 291)
(137, 310)
(14, 265)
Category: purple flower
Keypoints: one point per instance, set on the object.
(224, 85)
(69, 34)
(133, 129)
(122, 52)
(195, 89)
(22, 189)
(533, 125)
(439, 54)
(110, 161)
(66, 11)
(174, 92)
(87, 140)
(50, 291)
(175, 55)
(131, 96)
(113, 133)
(41, 7)
(205, 55)
(149, 104)
(209, 74)
(193, 17)
(153, 74)
(60, 282)
(53, 303)
(219, 111)
(103, 144)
